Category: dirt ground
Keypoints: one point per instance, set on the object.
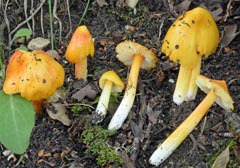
(154, 115)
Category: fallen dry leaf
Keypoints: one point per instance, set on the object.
(228, 34)
(101, 3)
(86, 91)
(222, 159)
(57, 111)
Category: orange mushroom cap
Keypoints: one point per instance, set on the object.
(193, 34)
(80, 46)
(220, 88)
(35, 75)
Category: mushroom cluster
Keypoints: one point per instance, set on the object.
(192, 36)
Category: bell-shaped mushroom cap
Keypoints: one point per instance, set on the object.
(118, 85)
(193, 34)
(81, 45)
(220, 88)
(127, 49)
(35, 75)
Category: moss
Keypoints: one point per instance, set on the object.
(96, 138)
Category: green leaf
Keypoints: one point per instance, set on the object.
(22, 33)
(17, 120)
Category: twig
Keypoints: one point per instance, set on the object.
(33, 20)
(25, 21)
(59, 21)
(6, 19)
(41, 20)
(69, 18)
(25, 5)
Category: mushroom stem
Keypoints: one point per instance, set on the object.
(81, 69)
(165, 149)
(182, 84)
(102, 106)
(127, 102)
(192, 87)
(38, 106)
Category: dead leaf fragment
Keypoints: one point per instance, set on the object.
(38, 43)
(58, 112)
(229, 33)
(86, 91)
(101, 3)
(222, 160)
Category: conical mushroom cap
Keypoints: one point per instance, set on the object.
(193, 34)
(35, 75)
(220, 89)
(81, 45)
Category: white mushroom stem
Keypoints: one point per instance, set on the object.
(104, 99)
(181, 87)
(165, 149)
(127, 102)
(192, 87)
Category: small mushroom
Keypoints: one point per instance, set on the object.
(191, 36)
(216, 92)
(137, 56)
(109, 82)
(79, 48)
(35, 75)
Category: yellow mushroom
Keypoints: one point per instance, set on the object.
(109, 82)
(191, 36)
(216, 92)
(35, 75)
(137, 56)
(79, 48)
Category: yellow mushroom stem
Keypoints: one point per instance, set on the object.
(127, 102)
(165, 149)
(192, 88)
(181, 88)
(104, 98)
(186, 87)
(81, 69)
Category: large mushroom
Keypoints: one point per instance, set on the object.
(137, 56)
(35, 75)
(79, 48)
(216, 92)
(109, 82)
(191, 36)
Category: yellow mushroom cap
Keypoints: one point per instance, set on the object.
(35, 75)
(220, 89)
(127, 49)
(112, 76)
(81, 45)
(193, 34)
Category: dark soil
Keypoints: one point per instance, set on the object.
(154, 115)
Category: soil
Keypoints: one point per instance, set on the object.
(154, 115)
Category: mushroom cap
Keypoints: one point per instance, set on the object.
(112, 76)
(81, 45)
(193, 34)
(220, 88)
(35, 75)
(127, 49)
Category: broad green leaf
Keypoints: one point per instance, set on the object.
(22, 33)
(222, 160)
(17, 120)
